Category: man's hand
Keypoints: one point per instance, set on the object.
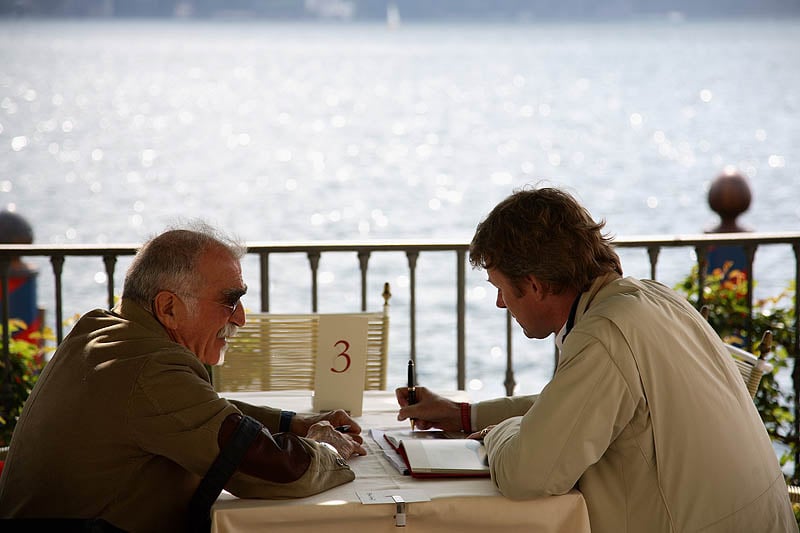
(338, 418)
(479, 435)
(344, 443)
(430, 411)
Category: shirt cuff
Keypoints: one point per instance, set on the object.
(286, 421)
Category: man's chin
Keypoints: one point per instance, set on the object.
(221, 360)
(534, 335)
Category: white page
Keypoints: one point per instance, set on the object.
(446, 455)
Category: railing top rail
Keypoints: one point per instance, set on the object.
(67, 249)
(10, 250)
(252, 247)
(346, 246)
(708, 238)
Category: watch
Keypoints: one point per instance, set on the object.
(339, 460)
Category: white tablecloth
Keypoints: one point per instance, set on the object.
(461, 504)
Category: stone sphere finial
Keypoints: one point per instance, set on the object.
(14, 229)
(729, 197)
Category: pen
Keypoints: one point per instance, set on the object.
(342, 429)
(412, 388)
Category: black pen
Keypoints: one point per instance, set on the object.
(412, 388)
(342, 429)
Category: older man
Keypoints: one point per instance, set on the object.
(646, 413)
(124, 422)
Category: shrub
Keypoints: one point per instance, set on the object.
(19, 374)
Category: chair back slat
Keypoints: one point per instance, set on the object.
(794, 494)
(752, 368)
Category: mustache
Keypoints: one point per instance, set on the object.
(228, 330)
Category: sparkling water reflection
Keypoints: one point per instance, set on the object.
(111, 130)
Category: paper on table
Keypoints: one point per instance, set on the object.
(390, 453)
(385, 496)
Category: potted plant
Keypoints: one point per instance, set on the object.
(18, 374)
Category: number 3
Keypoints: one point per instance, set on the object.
(344, 354)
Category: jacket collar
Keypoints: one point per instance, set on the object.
(584, 299)
(130, 310)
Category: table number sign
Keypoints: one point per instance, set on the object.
(341, 363)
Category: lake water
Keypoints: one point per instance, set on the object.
(111, 130)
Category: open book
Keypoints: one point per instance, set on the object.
(433, 454)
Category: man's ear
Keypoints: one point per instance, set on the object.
(165, 309)
(535, 287)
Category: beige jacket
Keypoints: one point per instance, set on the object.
(649, 418)
(122, 425)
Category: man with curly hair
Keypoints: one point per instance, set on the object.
(646, 413)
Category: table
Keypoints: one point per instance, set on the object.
(455, 504)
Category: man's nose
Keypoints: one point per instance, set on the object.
(500, 303)
(239, 316)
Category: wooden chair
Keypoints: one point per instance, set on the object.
(794, 493)
(278, 352)
(751, 367)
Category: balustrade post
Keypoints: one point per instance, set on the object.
(110, 262)
(796, 248)
(363, 260)
(796, 356)
(702, 263)
(652, 253)
(412, 268)
(313, 259)
(509, 382)
(750, 253)
(263, 263)
(58, 268)
(461, 282)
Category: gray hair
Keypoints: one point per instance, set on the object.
(169, 260)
